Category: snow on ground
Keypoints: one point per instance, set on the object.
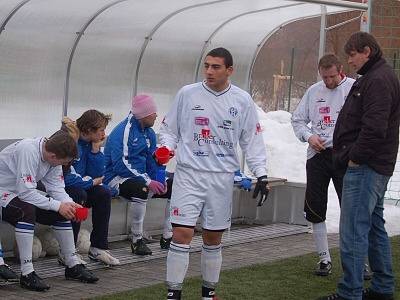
(286, 157)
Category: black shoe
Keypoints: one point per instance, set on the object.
(323, 269)
(367, 273)
(332, 297)
(33, 282)
(174, 294)
(81, 273)
(369, 294)
(140, 248)
(7, 273)
(165, 243)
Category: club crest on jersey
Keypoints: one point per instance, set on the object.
(233, 111)
(258, 128)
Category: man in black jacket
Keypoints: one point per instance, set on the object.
(366, 140)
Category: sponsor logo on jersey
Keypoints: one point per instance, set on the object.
(200, 153)
(233, 111)
(324, 110)
(205, 132)
(226, 124)
(221, 155)
(258, 128)
(327, 119)
(164, 123)
(197, 107)
(322, 125)
(201, 121)
(211, 140)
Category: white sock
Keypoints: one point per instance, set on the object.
(177, 265)
(167, 232)
(321, 241)
(1, 255)
(138, 211)
(65, 237)
(211, 261)
(24, 238)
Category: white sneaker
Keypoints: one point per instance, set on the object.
(104, 256)
(61, 259)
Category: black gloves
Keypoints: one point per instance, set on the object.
(261, 188)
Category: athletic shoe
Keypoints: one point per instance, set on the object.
(369, 294)
(332, 297)
(103, 256)
(165, 243)
(81, 273)
(7, 273)
(61, 259)
(367, 272)
(140, 248)
(324, 268)
(33, 282)
(174, 294)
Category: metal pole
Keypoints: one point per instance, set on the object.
(369, 15)
(290, 79)
(322, 35)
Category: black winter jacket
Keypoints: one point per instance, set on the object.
(367, 129)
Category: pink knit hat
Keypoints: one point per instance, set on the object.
(142, 106)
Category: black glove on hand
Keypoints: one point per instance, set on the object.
(262, 189)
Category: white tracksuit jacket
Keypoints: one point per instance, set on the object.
(21, 167)
(205, 127)
(321, 107)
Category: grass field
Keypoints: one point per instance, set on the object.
(288, 279)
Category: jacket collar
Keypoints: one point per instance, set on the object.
(371, 64)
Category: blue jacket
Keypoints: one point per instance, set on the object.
(129, 152)
(89, 165)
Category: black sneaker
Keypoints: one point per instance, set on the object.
(367, 273)
(81, 273)
(332, 297)
(33, 282)
(165, 243)
(174, 294)
(323, 269)
(7, 273)
(369, 294)
(140, 248)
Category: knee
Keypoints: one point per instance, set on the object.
(102, 194)
(182, 235)
(134, 189)
(77, 194)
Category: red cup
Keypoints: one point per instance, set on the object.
(162, 155)
(81, 213)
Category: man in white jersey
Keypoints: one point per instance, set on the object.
(321, 105)
(22, 165)
(206, 122)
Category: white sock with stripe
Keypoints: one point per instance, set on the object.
(211, 261)
(137, 211)
(65, 237)
(320, 235)
(24, 238)
(177, 265)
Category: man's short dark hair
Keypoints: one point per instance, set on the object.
(359, 40)
(223, 53)
(62, 145)
(328, 61)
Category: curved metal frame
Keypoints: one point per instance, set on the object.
(148, 38)
(11, 14)
(75, 45)
(207, 42)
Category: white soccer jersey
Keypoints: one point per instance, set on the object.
(21, 167)
(205, 128)
(321, 107)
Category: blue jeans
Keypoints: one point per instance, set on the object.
(362, 232)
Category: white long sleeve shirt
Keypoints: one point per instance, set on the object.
(205, 128)
(321, 107)
(21, 167)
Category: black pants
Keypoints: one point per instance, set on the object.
(99, 199)
(138, 189)
(21, 211)
(320, 171)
